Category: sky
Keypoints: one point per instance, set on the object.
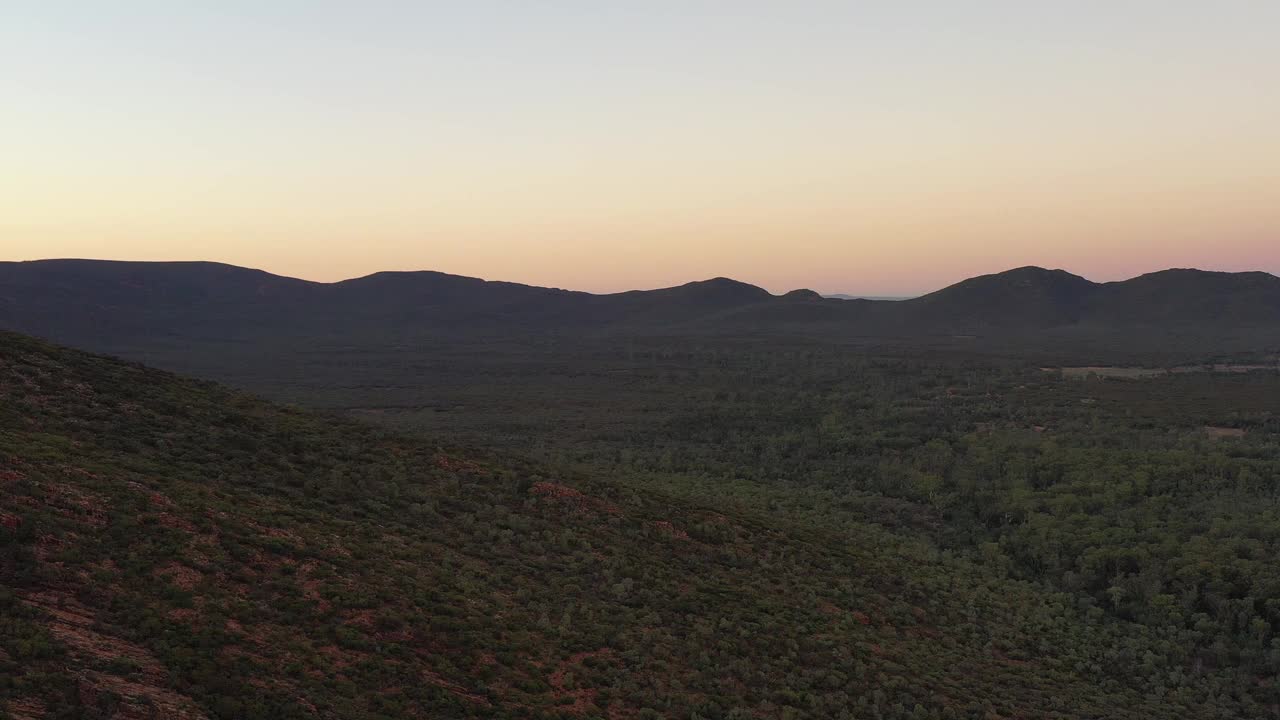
(884, 148)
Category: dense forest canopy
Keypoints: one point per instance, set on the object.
(699, 529)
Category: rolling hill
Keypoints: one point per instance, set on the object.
(172, 548)
(104, 305)
(1027, 298)
(1188, 298)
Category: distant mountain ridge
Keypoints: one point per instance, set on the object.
(97, 303)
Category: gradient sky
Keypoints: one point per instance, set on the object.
(871, 147)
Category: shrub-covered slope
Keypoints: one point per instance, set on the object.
(170, 548)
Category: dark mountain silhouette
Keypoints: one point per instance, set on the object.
(803, 294)
(1028, 297)
(1189, 297)
(103, 305)
(95, 299)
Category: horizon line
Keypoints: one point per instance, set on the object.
(829, 295)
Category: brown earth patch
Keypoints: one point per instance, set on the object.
(154, 499)
(453, 464)
(573, 498)
(1130, 373)
(362, 619)
(139, 701)
(240, 651)
(311, 586)
(277, 533)
(26, 709)
(1223, 432)
(170, 520)
(1006, 660)
(666, 528)
(336, 547)
(183, 615)
(454, 689)
(47, 544)
(584, 699)
(73, 625)
(76, 504)
(181, 575)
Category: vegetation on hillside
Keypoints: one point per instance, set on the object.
(1152, 500)
(174, 547)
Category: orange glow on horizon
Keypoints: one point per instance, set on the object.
(872, 150)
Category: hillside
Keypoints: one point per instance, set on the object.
(1026, 298)
(1180, 298)
(172, 548)
(93, 301)
(121, 307)
(100, 304)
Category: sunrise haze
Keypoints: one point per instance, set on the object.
(876, 148)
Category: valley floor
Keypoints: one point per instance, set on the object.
(654, 529)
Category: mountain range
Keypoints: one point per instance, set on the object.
(100, 303)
